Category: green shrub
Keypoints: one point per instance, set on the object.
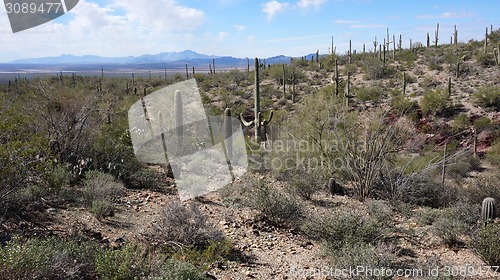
(344, 227)
(427, 215)
(144, 179)
(487, 244)
(459, 167)
(358, 255)
(493, 154)
(456, 221)
(423, 191)
(276, 206)
(486, 186)
(187, 226)
(178, 270)
(403, 104)
(102, 208)
(487, 97)
(375, 69)
(303, 184)
(99, 185)
(59, 177)
(460, 122)
(374, 94)
(436, 103)
(482, 123)
(485, 59)
(100, 191)
(131, 261)
(215, 252)
(49, 258)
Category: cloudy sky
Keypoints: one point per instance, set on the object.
(241, 28)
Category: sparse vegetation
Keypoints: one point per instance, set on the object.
(487, 97)
(75, 203)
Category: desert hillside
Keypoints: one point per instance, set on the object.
(373, 165)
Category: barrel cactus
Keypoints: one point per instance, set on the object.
(334, 187)
(488, 209)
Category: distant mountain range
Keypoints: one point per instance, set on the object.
(161, 60)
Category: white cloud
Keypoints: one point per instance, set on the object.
(122, 28)
(446, 15)
(271, 8)
(251, 39)
(366, 26)
(291, 39)
(239, 27)
(310, 3)
(222, 35)
(342, 21)
(160, 14)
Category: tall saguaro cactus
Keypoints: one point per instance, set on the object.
(336, 78)
(404, 83)
(259, 122)
(178, 115)
(228, 132)
(436, 36)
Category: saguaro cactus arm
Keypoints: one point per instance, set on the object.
(269, 119)
(245, 123)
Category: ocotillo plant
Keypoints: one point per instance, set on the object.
(258, 121)
(488, 209)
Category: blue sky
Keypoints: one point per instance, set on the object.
(241, 28)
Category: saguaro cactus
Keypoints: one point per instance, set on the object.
(336, 78)
(449, 86)
(455, 35)
(436, 36)
(488, 209)
(259, 122)
(228, 132)
(179, 130)
(284, 82)
(404, 83)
